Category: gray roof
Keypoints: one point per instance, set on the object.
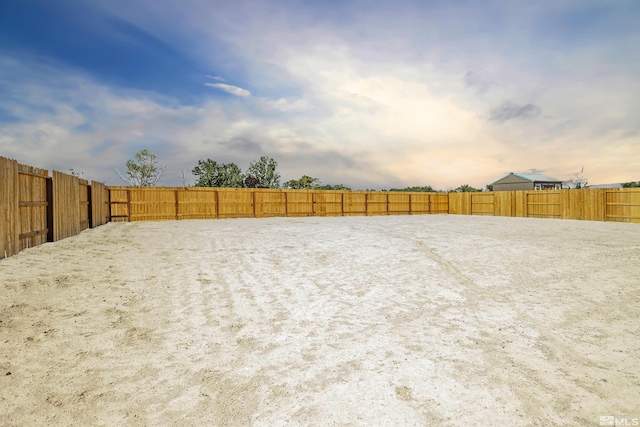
(616, 185)
(533, 177)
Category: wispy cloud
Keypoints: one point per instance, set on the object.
(510, 111)
(383, 95)
(233, 90)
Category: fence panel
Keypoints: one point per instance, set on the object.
(119, 202)
(439, 203)
(33, 205)
(460, 203)
(482, 204)
(377, 204)
(504, 203)
(299, 202)
(66, 205)
(197, 203)
(327, 203)
(9, 210)
(622, 205)
(520, 203)
(152, 204)
(236, 203)
(99, 204)
(419, 203)
(589, 206)
(269, 203)
(399, 203)
(355, 204)
(544, 204)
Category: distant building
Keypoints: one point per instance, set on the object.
(616, 185)
(526, 181)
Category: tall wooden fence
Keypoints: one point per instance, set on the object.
(598, 204)
(36, 208)
(157, 203)
(144, 203)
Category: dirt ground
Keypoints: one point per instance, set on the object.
(402, 320)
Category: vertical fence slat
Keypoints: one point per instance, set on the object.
(66, 199)
(9, 208)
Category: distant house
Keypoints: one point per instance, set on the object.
(526, 181)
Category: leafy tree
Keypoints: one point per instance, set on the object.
(424, 189)
(222, 175)
(304, 183)
(143, 170)
(466, 188)
(631, 184)
(265, 171)
(333, 187)
(489, 187)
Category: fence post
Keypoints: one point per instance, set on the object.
(215, 193)
(387, 203)
(128, 205)
(286, 204)
(253, 203)
(50, 207)
(90, 200)
(108, 202)
(366, 204)
(177, 203)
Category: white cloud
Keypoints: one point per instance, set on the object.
(233, 90)
(405, 93)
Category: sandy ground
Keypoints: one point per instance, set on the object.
(413, 320)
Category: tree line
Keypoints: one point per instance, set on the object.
(144, 170)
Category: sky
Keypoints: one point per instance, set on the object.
(370, 94)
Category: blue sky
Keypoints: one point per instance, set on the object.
(371, 94)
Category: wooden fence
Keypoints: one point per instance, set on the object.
(598, 204)
(36, 208)
(158, 203)
(144, 203)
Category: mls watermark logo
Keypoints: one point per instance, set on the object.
(611, 420)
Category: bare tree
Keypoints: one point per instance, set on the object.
(579, 181)
(143, 170)
(183, 177)
(76, 173)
